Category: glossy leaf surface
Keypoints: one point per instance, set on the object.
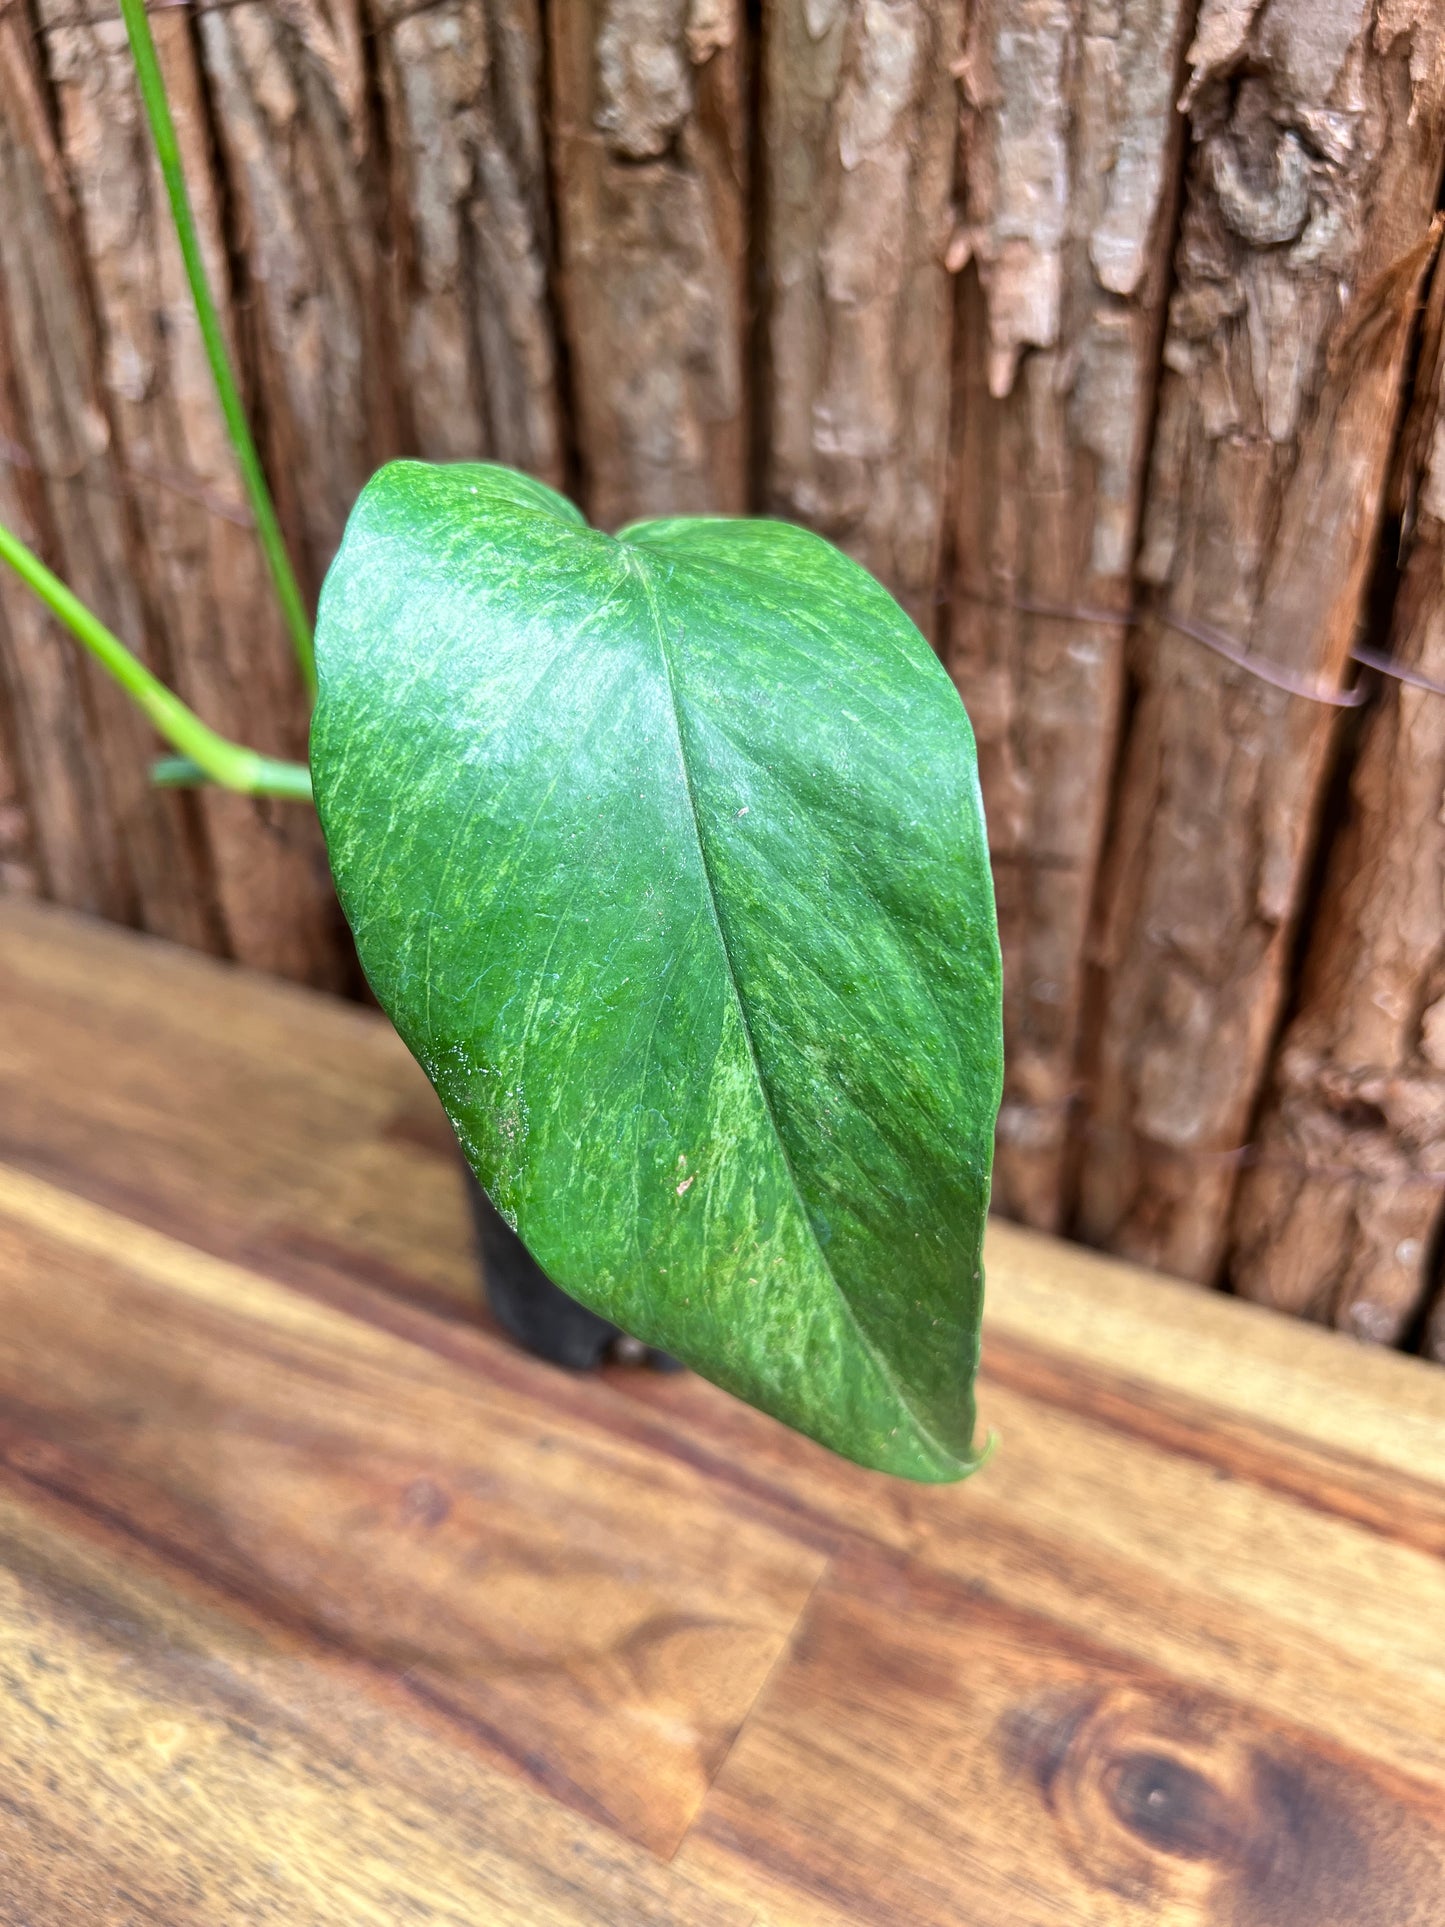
(665, 854)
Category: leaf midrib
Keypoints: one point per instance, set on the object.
(639, 563)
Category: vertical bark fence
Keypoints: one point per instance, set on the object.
(1107, 332)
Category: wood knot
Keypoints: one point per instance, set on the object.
(1170, 1805)
(1260, 171)
(1174, 1802)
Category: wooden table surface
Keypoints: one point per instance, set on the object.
(320, 1603)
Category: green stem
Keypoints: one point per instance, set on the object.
(163, 132)
(230, 764)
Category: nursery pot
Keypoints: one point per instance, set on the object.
(538, 1314)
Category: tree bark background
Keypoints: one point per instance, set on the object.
(650, 141)
(1337, 1218)
(859, 129)
(1089, 325)
(105, 838)
(462, 125)
(1069, 176)
(1315, 147)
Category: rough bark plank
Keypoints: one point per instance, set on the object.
(210, 595)
(1317, 134)
(107, 840)
(77, 854)
(289, 89)
(462, 85)
(859, 133)
(1336, 1220)
(650, 152)
(1070, 161)
(19, 875)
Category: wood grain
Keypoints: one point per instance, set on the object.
(319, 1602)
(594, 1619)
(1011, 1769)
(858, 136)
(211, 608)
(649, 158)
(170, 1758)
(1337, 1219)
(19, 872)
(1068, 185)
(296, 146)
(107, 840)
(1296, 274)
(462, 87)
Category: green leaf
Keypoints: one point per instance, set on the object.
(665, 853)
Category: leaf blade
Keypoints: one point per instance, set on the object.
(570, 746)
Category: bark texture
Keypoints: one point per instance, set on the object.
(859, 131)
(294, 124)
(209, 604)
(1070, 161)
(105, 840)
(1316, 135)
(650, 152)
(1336, 1220)
(19, 875)
(73, 843)
(462, 85)
(1098, 385)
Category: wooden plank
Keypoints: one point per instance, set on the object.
(1171, 1489)
(336, 1172)
(211, 599)
(649, 153)
(859, 123)
(211, 1108)
(1382, 1410)
(107, 840)
(1017, 1775)
(462, 89)
(1068, 187)
(1173, 1655)
(1316, 141)
(515, 1577)
(1336, 1219)
(169, 1758)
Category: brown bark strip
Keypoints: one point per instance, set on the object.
(462, 83)
(650, 152)
(1070, 161)
(76, 851)
(859, 133)
(105, 839)
(1336, 1222)
(289, 88)
(19, 872)
(1317, 130)
(211, 597)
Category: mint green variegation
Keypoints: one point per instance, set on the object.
(666, 856)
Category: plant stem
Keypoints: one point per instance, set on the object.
(231, 765)
(163, 132)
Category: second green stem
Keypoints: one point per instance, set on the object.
(231, 765)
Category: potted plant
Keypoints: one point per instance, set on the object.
(664, 852)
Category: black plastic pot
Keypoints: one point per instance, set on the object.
(538, 1314)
